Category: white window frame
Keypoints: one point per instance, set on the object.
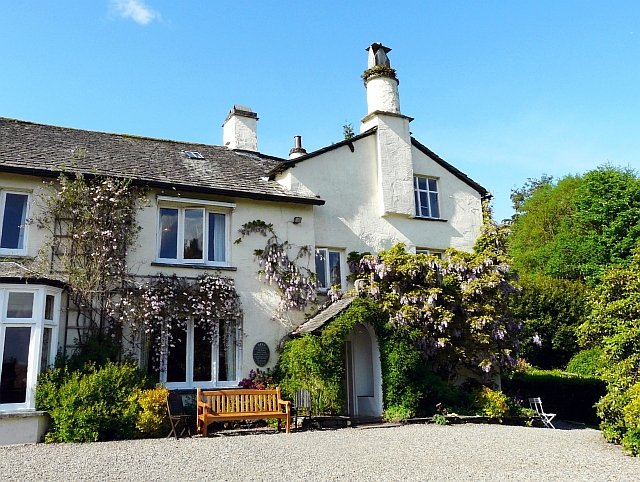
(439, 253)
(37, 323)
(3, 197)
(208, 207)
(416, 195)
(343, 277)
(214, 382)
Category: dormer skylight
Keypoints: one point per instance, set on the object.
(194, 155)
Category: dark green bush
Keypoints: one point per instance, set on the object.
(588, 363)
(570, 396)
(91, 404)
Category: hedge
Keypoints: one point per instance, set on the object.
(569, 396)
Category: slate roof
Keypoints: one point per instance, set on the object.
(44, 150)
(314, 324)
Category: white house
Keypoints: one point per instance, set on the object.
(366, 193)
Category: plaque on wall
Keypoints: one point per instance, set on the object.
(261, 353)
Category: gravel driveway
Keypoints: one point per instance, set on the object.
(413, 452)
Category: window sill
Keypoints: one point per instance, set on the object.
(196, 266)
(430, 219)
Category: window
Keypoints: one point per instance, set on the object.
(433, 252)
(28, 337)
(193, 234)
(13, 223)
(328, 268)
(426, 191)
(193, 361)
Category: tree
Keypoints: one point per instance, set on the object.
(577, 227)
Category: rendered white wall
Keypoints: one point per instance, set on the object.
(382, 95)
(240, 132)
(351, 220)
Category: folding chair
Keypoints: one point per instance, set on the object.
(546, 418)
(175, 408)
(302, 407)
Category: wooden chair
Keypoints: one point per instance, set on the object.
(302, 407)
(546, 418)
(177, 416)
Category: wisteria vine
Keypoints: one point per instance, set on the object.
(163, 305)
(296, 284)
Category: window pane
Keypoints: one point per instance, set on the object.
(435, 210)
(424, 204)
(334, 267)
(321, 268)
(177, 357)
(432, 185)
(227, 352)
(15, 362)
(422, 183)
(20, 305)
(201, 355)
(418, 211)
(193, 233)
(46, 349)
(48, 307)
(216, 237)
(168, 233)
(13, 221)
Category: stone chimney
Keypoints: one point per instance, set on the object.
(297, 149)
(240, 129)
(381, 82)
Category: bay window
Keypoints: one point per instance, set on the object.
(28, 337)
(192, 234)
(13, 223)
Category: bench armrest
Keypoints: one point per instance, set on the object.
(287, 405)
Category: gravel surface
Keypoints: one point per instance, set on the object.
(413, 452)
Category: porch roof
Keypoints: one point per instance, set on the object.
(315, 324)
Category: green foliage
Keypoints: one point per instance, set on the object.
(552, 309)
(577, 227)
(379, 71)
(631, 415)
(492, 404)
(455, 309)
(316, 363)
(613, 324)
(347, 130)
(588, 363)
(91, 404)
(570, 396)
(98, 349)
(153, 419)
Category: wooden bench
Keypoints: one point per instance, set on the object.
(240, 404)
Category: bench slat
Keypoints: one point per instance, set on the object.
(240, 404)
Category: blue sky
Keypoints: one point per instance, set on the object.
(503, 90)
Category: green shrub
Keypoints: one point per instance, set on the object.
(570, 396)
(92, 404)
(396, 414)
(492, 404)
(588, 363)
(153, 420)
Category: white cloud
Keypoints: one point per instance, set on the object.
(136, 10)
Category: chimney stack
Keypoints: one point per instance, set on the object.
(297, 150)
(240, 129)
(381, 82)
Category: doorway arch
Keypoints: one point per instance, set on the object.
(363, 373)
